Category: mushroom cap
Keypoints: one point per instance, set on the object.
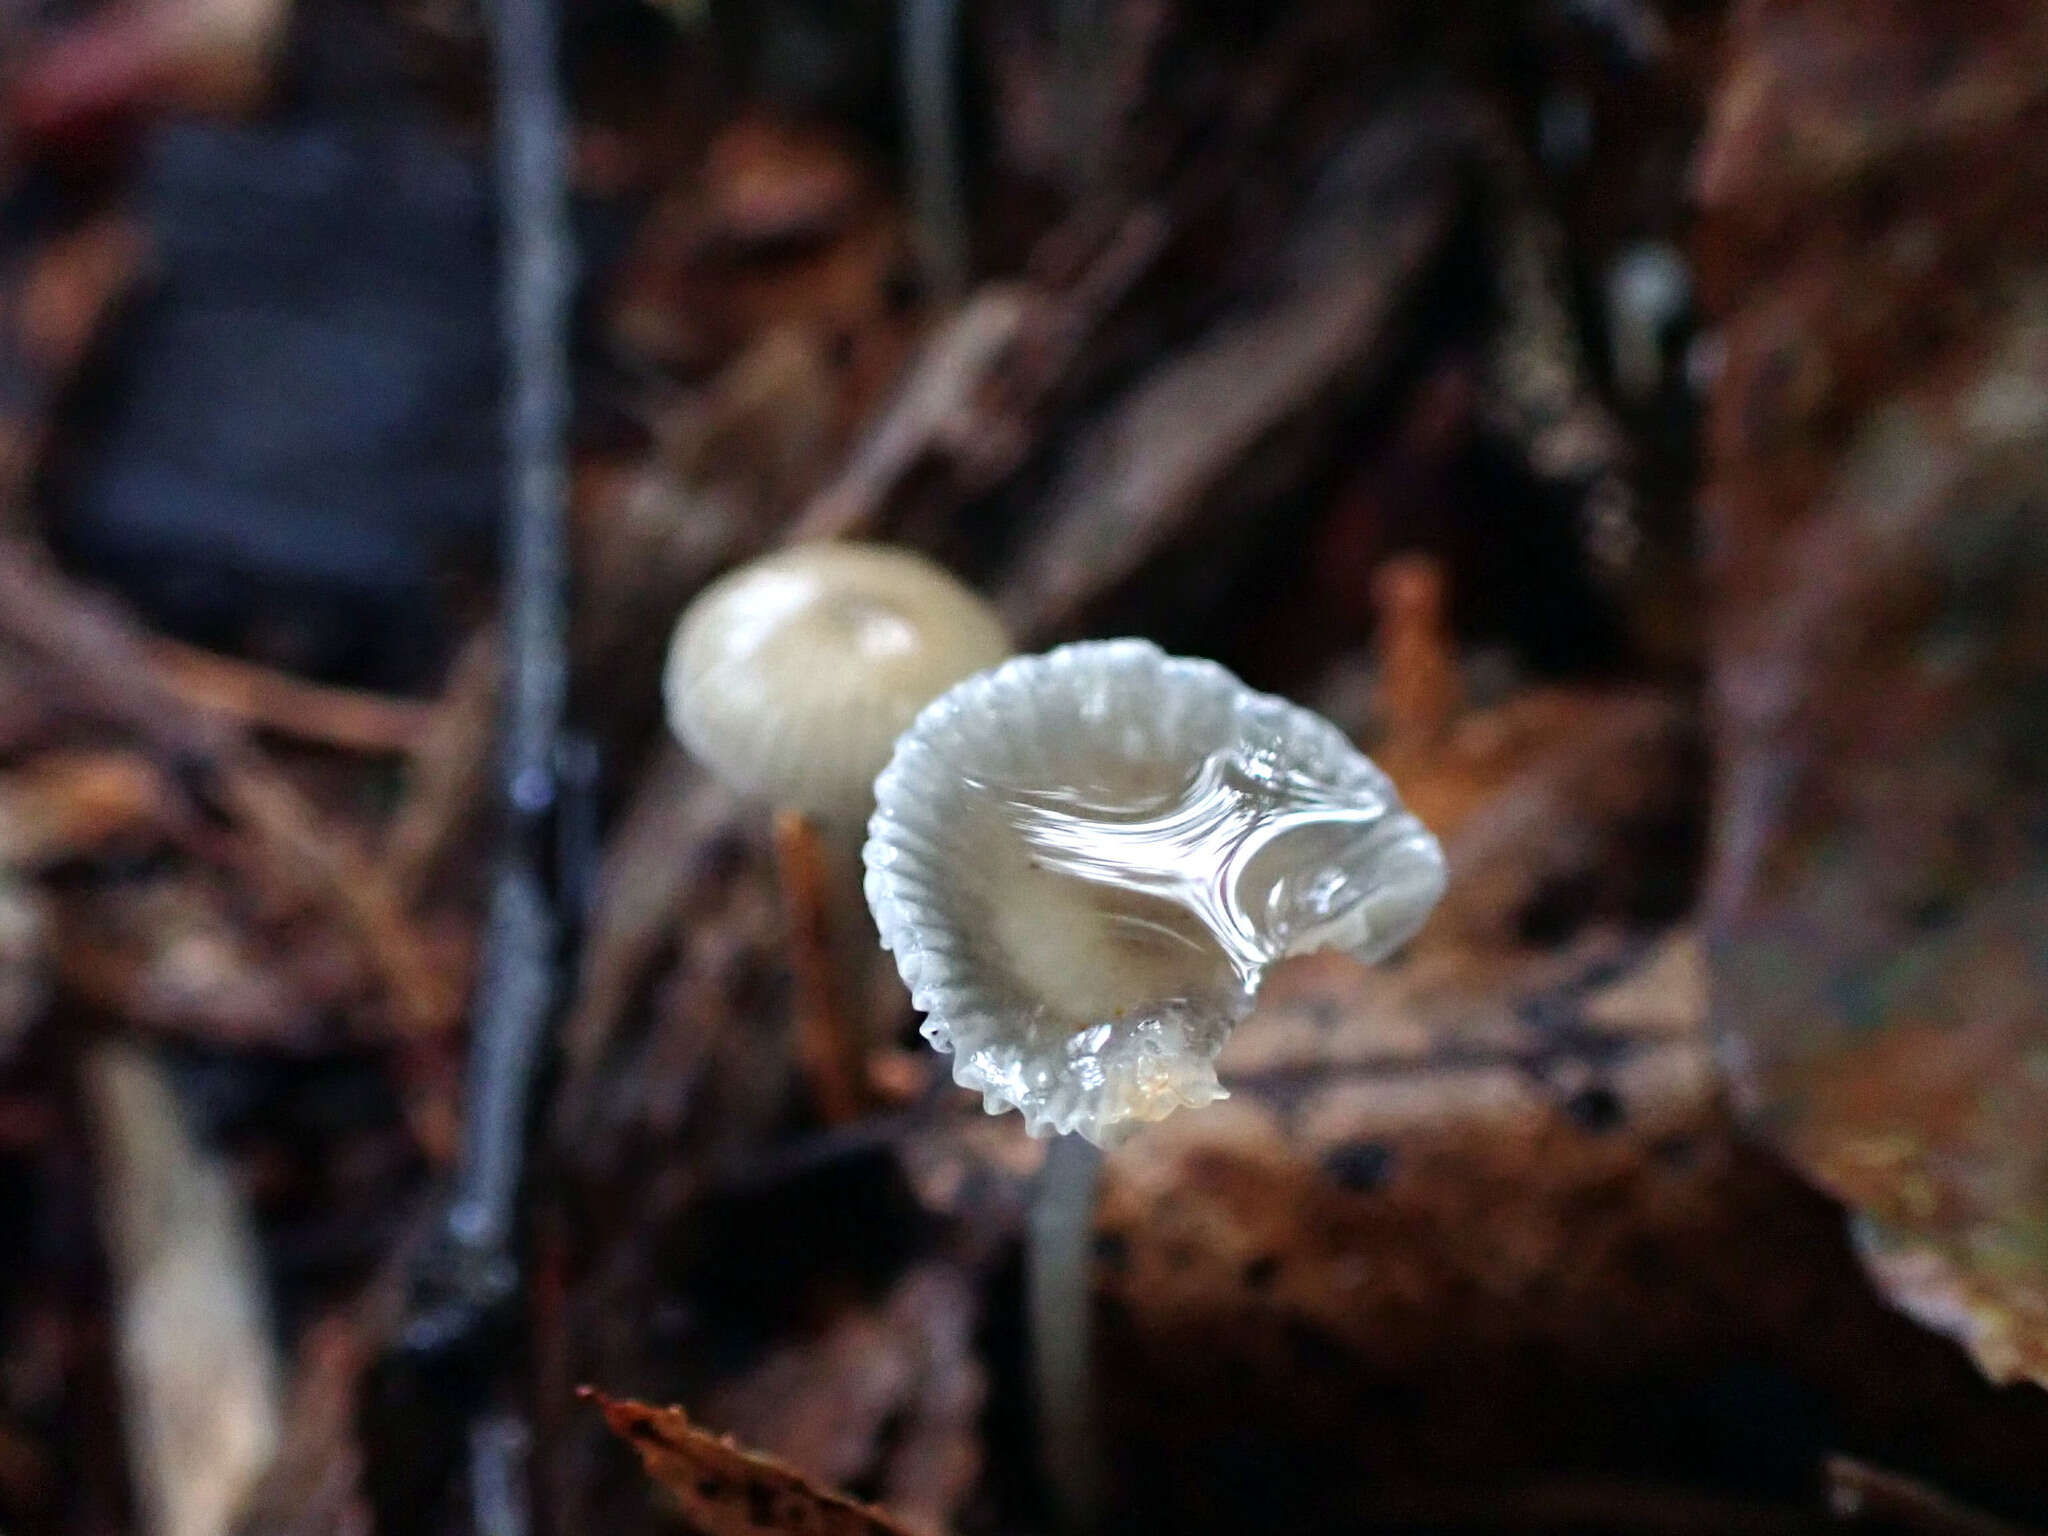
(790, 678)
(1085, 861)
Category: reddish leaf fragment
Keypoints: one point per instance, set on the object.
(725, 1491)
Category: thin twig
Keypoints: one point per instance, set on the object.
(265, 699)
(1861, 1494)
(454, 1342)
(518, 983)
(101, 665)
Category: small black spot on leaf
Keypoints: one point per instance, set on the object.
(1596, 1109)
(1361, 1167)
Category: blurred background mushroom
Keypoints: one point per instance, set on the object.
(791, 678)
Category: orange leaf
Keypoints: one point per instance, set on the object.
(725, 1491)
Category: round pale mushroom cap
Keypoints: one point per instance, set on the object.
(1085, 861)
(791, 678)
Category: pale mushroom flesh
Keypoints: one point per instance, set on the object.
(1085, 861)
(791, 677)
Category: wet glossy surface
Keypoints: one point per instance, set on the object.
(1085, 862)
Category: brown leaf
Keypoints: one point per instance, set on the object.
(168, 955)
(725, 1491)
(886, 1396)
(67, 805)
(1878, 440)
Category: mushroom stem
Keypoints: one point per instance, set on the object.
(829, 1047)
(931, 46)
(1419, 673)
(1059, 1274)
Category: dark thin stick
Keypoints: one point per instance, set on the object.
(516, 993)
(430, 1405)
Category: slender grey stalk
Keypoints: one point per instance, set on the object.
(931, 45)
(425, 1408)
(516, 992)
(1059, 1263)
(499, 1447)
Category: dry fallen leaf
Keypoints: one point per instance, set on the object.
(1880, 861)
(725, 1491)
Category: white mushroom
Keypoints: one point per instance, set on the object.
(791, 677)
(1085, 861)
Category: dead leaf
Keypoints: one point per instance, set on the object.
(1880, 880)
(726, 1491)
(67, 805)
(886, 1396)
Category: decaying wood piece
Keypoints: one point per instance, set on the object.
(725, 1491)
(1558, 807)
(1519, 1175)
(1875, 243)
(1504, 1159)
(85, 647)
(199, 1377)
(976, 393)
